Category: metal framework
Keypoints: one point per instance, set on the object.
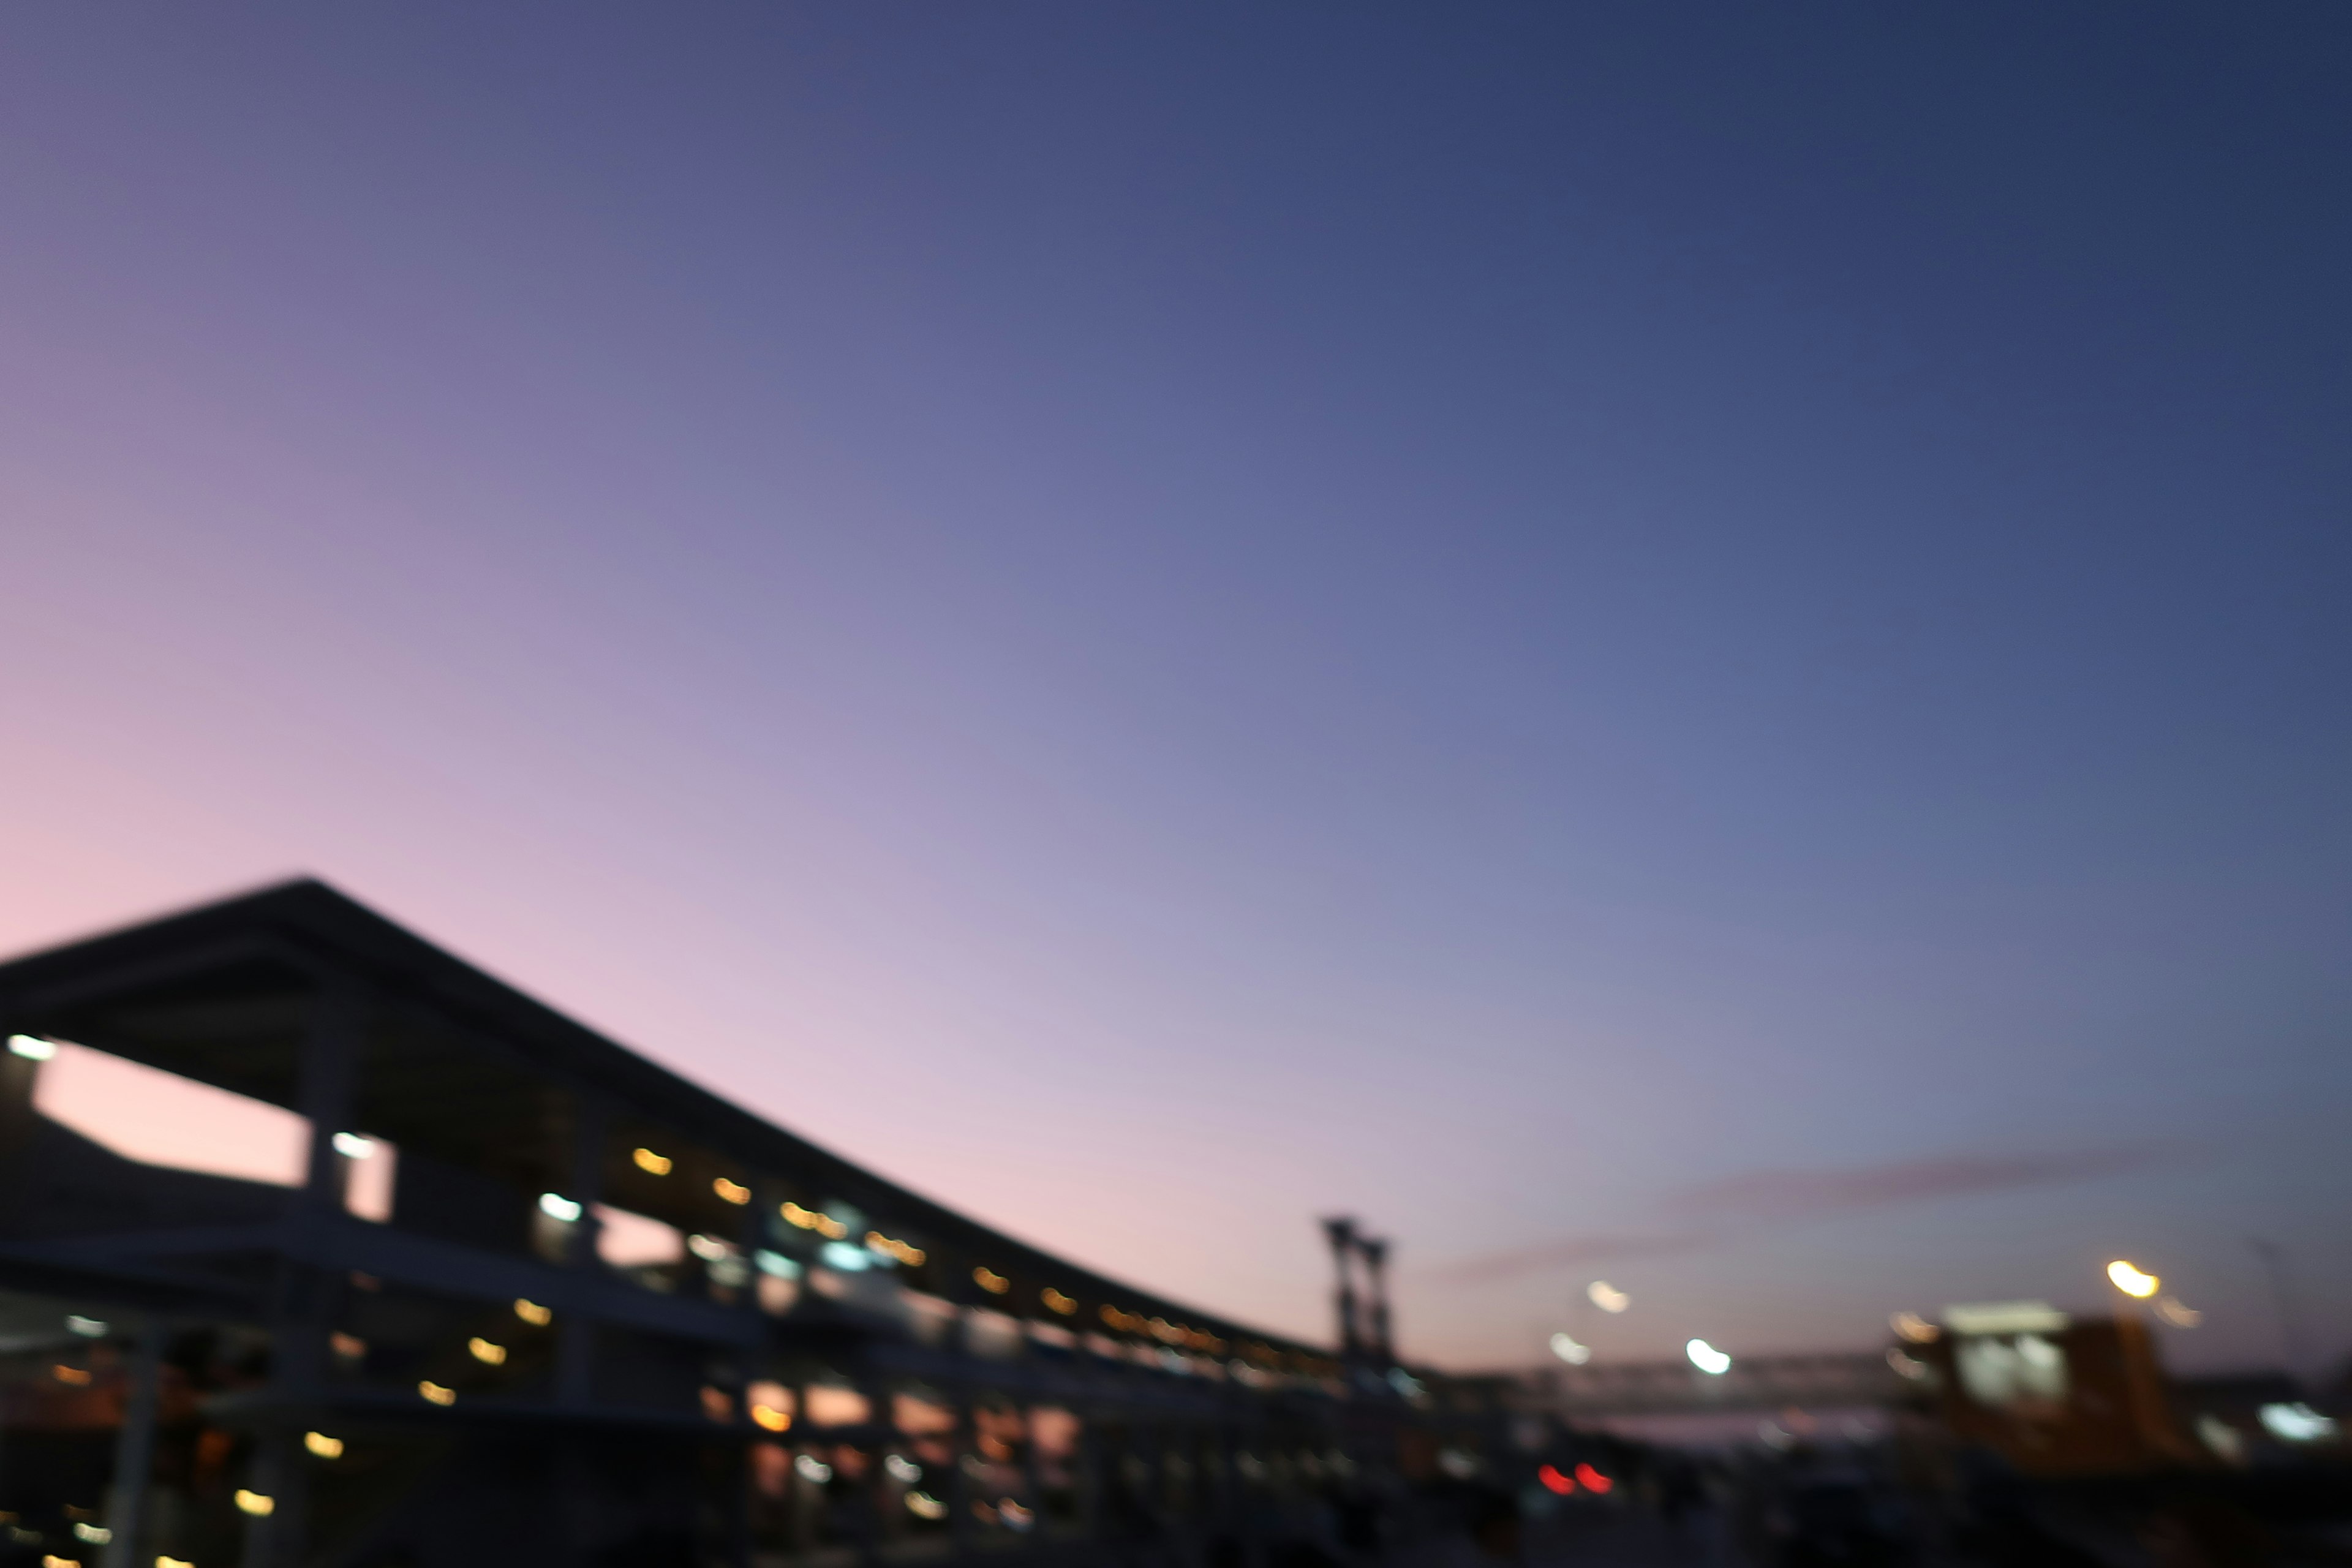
(826, 1367)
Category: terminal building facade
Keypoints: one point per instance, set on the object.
(512, 1294)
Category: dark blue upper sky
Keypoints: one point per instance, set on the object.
(1528, 620)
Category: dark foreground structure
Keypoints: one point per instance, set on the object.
(522, 1297)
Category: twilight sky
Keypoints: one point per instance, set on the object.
(1702, 646)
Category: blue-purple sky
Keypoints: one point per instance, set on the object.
(1706, 646)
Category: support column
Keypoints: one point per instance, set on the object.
(576, 1349)
(134, 1451)
(275, 1539)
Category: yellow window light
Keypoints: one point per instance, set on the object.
(487, 1353)
(531, 1312)
(990, 1280)
(769, 1418)
(174, 1563)
(1058, 1302)
(51, 1561)
(326, 1448)
(261, 1505)
(733, 1192)
(651, 1163)
(436, 1394)
(905, 1252)
(824, 1225)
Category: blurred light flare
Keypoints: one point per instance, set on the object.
(2132, 1281)
(1593, 1481)
(1607, 1297)
(1914, 1328)
(1555, 1482)
(1565, 1347)
(32, 1047)
(1706, 1357)
(2297, 1423)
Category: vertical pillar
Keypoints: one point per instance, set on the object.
(1340, 1231)
(327, 1086)
(276, 1539)
(961, 1537)
(1376, 1258)
(576, 1349)
(134, 1451)
(18, 1075)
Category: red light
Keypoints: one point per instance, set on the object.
(1554, 1481)
(1594, 1481)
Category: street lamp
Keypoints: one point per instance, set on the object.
(2132, 1281)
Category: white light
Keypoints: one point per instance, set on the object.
(555, 1206)
(710, 1248)
(1607, 1297)
(922, 1505)
(2132, 1281)
(32, 1047)
(87, 1327)
(2297, 1423)
(352, 1146)
(1706, 1357)
(777, 1264)
(96, 1534)
(848, 1258)
(2178, 1313)
(813, 1469)
(903, 1468)
(1569, 1351)
(2006, 1318)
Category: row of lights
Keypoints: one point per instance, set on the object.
(824, 1225)
(556, 1206)
(655, 1164)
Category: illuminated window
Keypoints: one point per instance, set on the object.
(830, 1404)
(633, 1241)
(162, 1119)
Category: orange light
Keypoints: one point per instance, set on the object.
(990, 1280)
(1554, 1481)
(1594, 1481)
(653, 1165)
(77, 1376)
(770, 1418)
(733, 1192)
